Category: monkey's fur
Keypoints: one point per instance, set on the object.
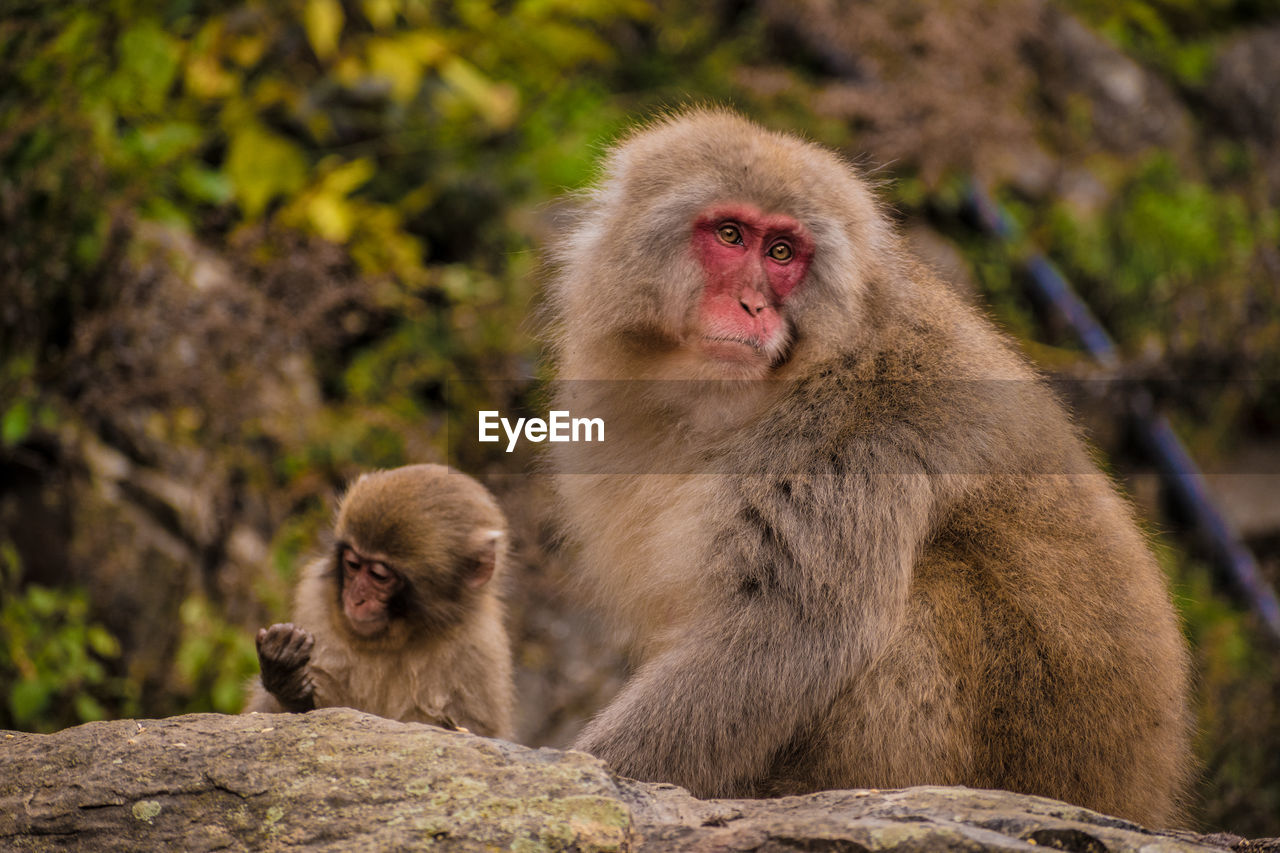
(445, 657)
(897, 565)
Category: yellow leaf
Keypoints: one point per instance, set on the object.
(428, 48)
(498, 103)
(380, 244)
(262, 165)
(271, 91)
(323, 20)
(349, 70)
(380, 13)
(206, 78)
(349, 176)
(398, 63)
(205, 75)
(245, 50)
(331, 216)
(325, 208)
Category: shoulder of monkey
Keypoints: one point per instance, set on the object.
(902, 412)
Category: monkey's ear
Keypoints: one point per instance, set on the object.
(488, 543)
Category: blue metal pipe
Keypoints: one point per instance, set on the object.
(1178, 471)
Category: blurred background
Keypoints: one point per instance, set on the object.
(248, 250)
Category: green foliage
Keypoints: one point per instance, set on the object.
(294, 542)
(377, 125)
(262, 166)
(53, 670)
(214, 659)
(416, 137)
(1175, 36)
(15, 423)
(22, 406)
(1163, 239)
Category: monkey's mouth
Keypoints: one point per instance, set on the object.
(741, 350)
(754, 343)
(368, 626)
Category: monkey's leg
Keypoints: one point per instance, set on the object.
(283, 653)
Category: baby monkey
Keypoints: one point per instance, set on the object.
(402, 618)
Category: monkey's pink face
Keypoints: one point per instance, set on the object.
(751, 262)
(367, 588)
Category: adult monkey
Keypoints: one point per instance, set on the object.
(895, 565)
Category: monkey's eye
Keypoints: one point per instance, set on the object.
(781, 252)
(350, 560)
(730, 233)
(379, 572)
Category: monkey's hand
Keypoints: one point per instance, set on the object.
(283, 653)
(689, 719)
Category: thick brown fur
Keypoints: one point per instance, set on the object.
(445, 658)
(896, 566)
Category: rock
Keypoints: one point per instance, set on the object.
(1244, 86)
(318, 781)
(338, 779)
(909, 82)
(1244, 89)
(1131, 109)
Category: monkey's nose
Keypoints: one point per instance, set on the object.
(752, 302)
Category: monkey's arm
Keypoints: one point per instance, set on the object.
(284, 651)
(811, 580)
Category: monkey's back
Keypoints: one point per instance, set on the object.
(1051, 666)
(1039, 651)
(1084, 670)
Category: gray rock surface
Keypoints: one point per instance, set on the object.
(338, 779)
(1244, 89)
(1130, 108)
(1245, 83)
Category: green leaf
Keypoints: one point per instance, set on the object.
(16, 423)
(160, 143)
(262, 165)
(204, 185)
(88, 708)
(42, 600)
(27, 699)
(148, 63)
(10, 569)
(102, 642)
(498, 103)
(228, 696)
